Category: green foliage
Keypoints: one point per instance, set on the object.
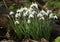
(11, 7)
(27, 0)
(53, 3)
(36, 29)
(57, 39)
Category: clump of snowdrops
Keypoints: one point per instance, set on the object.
(32, 22)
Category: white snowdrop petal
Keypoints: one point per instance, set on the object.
(11, 13)
(55, 17)
(24, 14)
(28, 21)
(31, 16)
(25, 8)
(16, 22)
(48, 11)
(39, 15)
(34, 4)
(51, 16)
(42, 11)
(34, 12)
(18, 10)
(17, 14)
(42, 18)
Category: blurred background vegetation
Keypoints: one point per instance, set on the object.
(53, 5)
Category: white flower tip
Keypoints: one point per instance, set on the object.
(28, 21)
(34, 5)
(25, 8)
(55, 17)
(16, 22)
(42, 11)
(41, 18)
(11, 13)
(31, 16)
(39, 15)
(17, 14)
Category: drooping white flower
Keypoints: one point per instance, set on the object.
(39, 15)
(17, 15)
(49, 11)
(25, 8)
(34, 12)
(31, 16)
(11, 13)
(16, 22)
(30, 9)
(51, 16)
(28, 21)
(43, 12)
(25, 14)
(18, 10)
(55, 17)
(41, 18)
(34, 5)
(22, 9)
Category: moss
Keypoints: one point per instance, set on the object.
(57, 39)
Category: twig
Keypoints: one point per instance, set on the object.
(5, 4)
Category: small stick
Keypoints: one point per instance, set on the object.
(5, 4)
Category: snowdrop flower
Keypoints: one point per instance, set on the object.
(25, 8)
(22, 9)
(34, 5)
(11, 13)
(55, 17)
(17, 14)
(30, 9)
(41, 18)
(31, 16)
(28, 21)
(16, 22)
(48, 11)
(18, 10)
(39, 15)
(44, 13)
(34, 12)
(25, 14)
(51, 16)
